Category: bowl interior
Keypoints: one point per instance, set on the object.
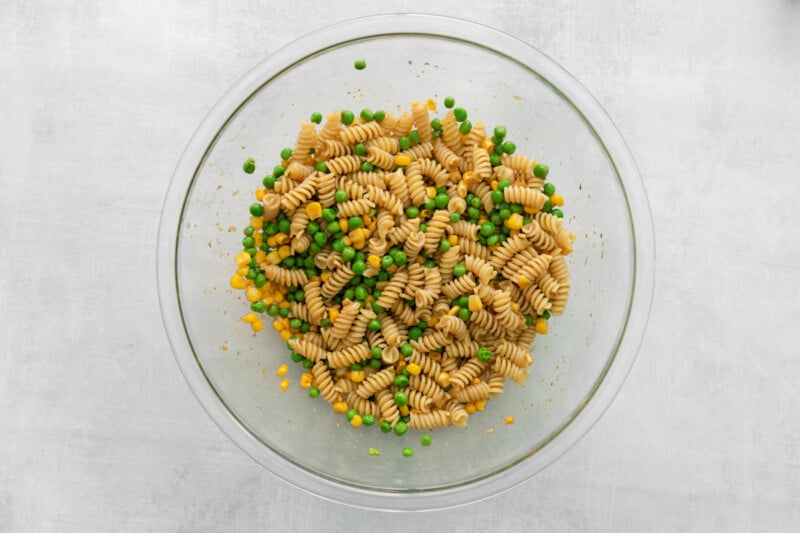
(569, 363)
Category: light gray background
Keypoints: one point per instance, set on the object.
(98, 432)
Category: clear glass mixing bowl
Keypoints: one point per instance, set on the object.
(579, 366)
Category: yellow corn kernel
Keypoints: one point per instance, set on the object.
(285, 322)
(454, 310)
(347, 240)
(357, 376)
(277, 324)
(369, 299)
(541, 326)
(509, 420)
(257, 222)
(402, 160)
(515, 307)
(260, 256)
(425, 213)
(242, 258)
(260, 194)
(340, 407)
(271, 242)
(556, 199)
(333, 314)
(257, 326)
(470, 408)
(314, 210)
(488, 145)
(523, 282)
(356, 421)
(258, 238)
(306, 380)
(250, 318)
(284, 251)
(453, 239)
(358, 234)
(493, 183)
(274, 257)
(359, 245)
(432, 321)
(443, 379)
(285, 334)
(374, 261)
(480, 405)
(344, 225)
(514, 221)
(431, 105)
(490, 430)
(281, 238)
(392, 269)
(237, 282)
(436, 356)
(414, 369)
(366, 219)
(269, 300)
(278, 297)
(284, 384)
(530, 210)
(404, 410)
(475, 380)
(468, 177)
(242, 271)
(325, 276)
(281, 370)
(399, 366)
(431, 191)
(253, 294)
(285, 305)
(420, 260)
(475, 303)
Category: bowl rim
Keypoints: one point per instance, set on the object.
(596, 119)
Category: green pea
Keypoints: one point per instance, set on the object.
(257, 210)
(273, 309)
(387, 261)
(248, 242)
(368, 420)
(493, 240)
(350, 414)
(494, 159)
(516, 208)
(441, 201)
(422, 325)
(296, 357)
(502, 184)
(350, 294)
(366, 166)
(408, 451)
(484, 354)
(321, 166)
(460, 114)
(359, 267)
(405, 143)
(449, 102)
(320, 239)
(436, 124)
(425, 440)
(465, 127)
(286, 154)
(476, 202)
(370, 282)
(334, 227)
(495, 218)
(249, 165)
(528, 320)
(367, 114)
(360, 64)
(455, 217)
(546, 315)
(278, 171)
(541, 170)
(401, 428)
(311, 272)
(312, 228)
(406, 350)
(500, 132)
(305, 327)
(382, 276)
(258, 307)
(430, 204)
(377, 309)
(441, 190)
(360, 149)
(251, 251)
(376, 364)
(325, 323)
(462, 301)
(444, 245)
(487, 228)
(284, 226)
(340, 195)
(549, 189)
(414, 137)
(355, 222)
(260, 280)
(269, 181)
(386, 427)
(505, 214)
(361, 295)
(379, 115)
(460, 269)
(430, 263)
(347, 117)
(374, 324)
(313, 392)
(328, 214)
(316, 117)
(498, 146)
(349, 253)
(401, 381)
(547, 207)
(464, 314)
(414, 333)
(400, 258)
(558, 212)
(474, 213)
(412, 212)
(308, 363)
(338, 245)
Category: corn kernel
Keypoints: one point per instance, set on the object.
(493, 183)
(281, 238)
(258, 238)
(404, 410)
(523, 282)
(374, 261)
(242, 271)
(277, 324)
(284, 384)
(366, 219)
(515, 307)
(487, 145)
(480, 405)
(253, 294)
(278, 297)
(358, 234)
(431, 191)
(475, 304)
(344, 225)
(420, 260)
(541, 326)
(509, 420)
(325, 276)
(436, 356)
(271, 242)
(402, 160)
(242, 258)
(284, 252)
(333, 314)
(260, 194)
(237, 282)
(340, 407)
(470, 408)
(260, 256)
(357, 376)
(453, 239)
(431, 104)
(468, 177)
(360, 244)
(443, 379)
(356, 421)
(257, 326)
(285, 305)
(454, 310)
(392, 269)
(347, 240)
(530, 210)
(314, 210)
(566, 251)
(257, 222)
(306, 380)
(413, 369)
(282, 370)
(250, 318)
(369, 299)
(514, 221)
(556, 199)
(475, 380)
(285, 334)
(432, 321)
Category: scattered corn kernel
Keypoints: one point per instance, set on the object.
(514, 221)
(242, 258)
(284, 384)
(541, 326)
(242, 271)
(314, 210)
(260, 194)
(443, 379)
(509, 420)
(431, 105)
(487, 145)
(493, 183)
(306, 380)
(475, 303)
(470, 408)
(454, 310)
(237, 282)
(357, 376)
(556, 199)
(453, 239)
(344, 225)
(285, 334)
(480, 405)
(359, 245)
(257, 326)
(333, 314)
(257, 222)
(356, 421)
(402, 160)
(490, 430)
(340, 407)
(523, 282)
(404, 410)
(374, 261)
(420, 260)
(281, 238)
(277, 324)
(414, 369)
(358, 234)
(253, 294)
(431, 191)
(347, 240)
(271, 241)
(258, 238)
(250, 318)
(281, 370)
(432, 321)
(278, 297)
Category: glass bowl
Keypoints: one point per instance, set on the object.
(579, 367)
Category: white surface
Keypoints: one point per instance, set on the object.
(98, 432)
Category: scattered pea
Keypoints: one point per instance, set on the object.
(348, 117)
(465, 127)
(408, 451)
(400, 428)
(386, 427)
(360, 64)
(316, 117)
(286, 154)
(379, 115)
(549, 189)
(313, 392)
(249, 166)
(449, 102)
(541, 170)
(460, 114)
(425, 440)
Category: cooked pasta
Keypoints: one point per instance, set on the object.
(410, 263)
